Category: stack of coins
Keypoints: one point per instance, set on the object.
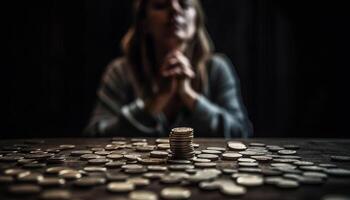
(181, 145)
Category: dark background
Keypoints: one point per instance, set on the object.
(289, 55)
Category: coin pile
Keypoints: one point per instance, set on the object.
(181, 143)
(123, 166)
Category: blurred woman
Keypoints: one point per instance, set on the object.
(169, 77)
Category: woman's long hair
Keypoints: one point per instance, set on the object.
(139, 50)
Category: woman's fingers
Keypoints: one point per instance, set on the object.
(177, 68)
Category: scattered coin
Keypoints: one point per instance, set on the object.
(175, 193)
(232, 189)
(122, 187)
(4, 179)
(231, 156)
(236, 146)
(287, 152)
(341, 158)
(89, 181)
(24, 189)
(211, 157)
(51, 181)
(56, 194)
(250, 180)
(69, 174)
(205, 164)
(338, 172)
(143, 195)
(138, 181)
(286, 183)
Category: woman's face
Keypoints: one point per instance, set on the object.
(171, 22)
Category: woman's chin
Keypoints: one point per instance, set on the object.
(175, 40)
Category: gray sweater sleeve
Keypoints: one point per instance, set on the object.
(114, 114)
(222, 113)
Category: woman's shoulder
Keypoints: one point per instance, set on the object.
(219, 63)
(117, 71)
(118, 65)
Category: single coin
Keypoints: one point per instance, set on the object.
(153, 175)
(80, 152)
(69, 174)
(257, 144)
(95, 169)
(89, 181)
(115, 156)
(312, 168)
(102, 153)
(274, 148)
(122, 187)
(262, 158)
(327, 165)
(164, 146)
(287, 152)
(56, 194)
(205, 164)
(209, 185)
(251, 153)
(145, 148)
(246, 160)
(132, 156)
(180, 167)
(162, 140)
(159, 154)
(287, 183)
(51, 182)
(250, 180)
(253, 170)
(229, 170)
(56, 159)
(157, 168)
(222, 149)
(143, 195)
(316, 175)
(66, 146)
(338, 172)
(232, 189)
(138, 181)
(56, 170)
(115, 164)
(200, 160)
(89, 156)
(175, 193)
(4, 179)
(24, 189)
(303, 163)
(115, 177)
(341, 158)
(231, 156)
(236, 146)
(167, 179)
(211, 157)
(248, 164)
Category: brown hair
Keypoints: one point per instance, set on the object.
(139, 51)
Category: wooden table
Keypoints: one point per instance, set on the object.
(315, 150)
